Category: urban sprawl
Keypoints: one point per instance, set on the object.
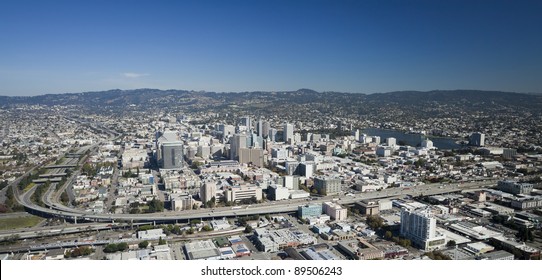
(217, 184)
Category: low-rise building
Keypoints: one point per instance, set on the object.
(274, 240)
(500, 255)
(360, 249)
(309, 210)
(327, 185)
(202, 250)
(151, 234)
(236, 194)
(514, 187)
(335, 211)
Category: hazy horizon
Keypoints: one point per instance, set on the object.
(190, 90)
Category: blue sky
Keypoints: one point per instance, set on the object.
(352, 46)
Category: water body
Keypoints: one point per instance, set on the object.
(414, 140)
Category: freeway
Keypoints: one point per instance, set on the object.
(264, 208)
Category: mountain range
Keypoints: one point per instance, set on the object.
(149, 98)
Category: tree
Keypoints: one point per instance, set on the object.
(375, 222)
(110, 248)
(176, 229)
(525, 234)
(437, 255)
(211, 203)
(161, 241)
(388, 235)
(145, 227)
(451, 243)
(253, 200)
(64, 197)
(248, 229)
(3, 184)
(207, 228)
(122, 246)
(143, 244)
(156, 205)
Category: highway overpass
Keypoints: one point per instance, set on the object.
(76, 215)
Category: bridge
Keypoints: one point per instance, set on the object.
(73, 155)
(52, 175)
(45, 180)
(76, 215)
(60, 166)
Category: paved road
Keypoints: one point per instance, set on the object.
(14, 183)
(265, 208)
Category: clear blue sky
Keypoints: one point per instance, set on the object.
(353, 46)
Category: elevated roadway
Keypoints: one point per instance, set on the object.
(77, 215)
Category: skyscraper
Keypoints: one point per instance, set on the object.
(172, 155)
(238, 141)
(259, 127)
(477, 139)
(245, 121)
(420, 226)
(273, 134)
(207, 191)
(288, 132)
(391, 141)
(265, 129)
(169, 154)
(356, 134)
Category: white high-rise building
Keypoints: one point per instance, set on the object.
(428, 144)
(356, 134)
(391, 141)
(288, 132)
(420, 227)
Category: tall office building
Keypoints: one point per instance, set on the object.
(254, 156)
(477, 139)
(356, 134)
(427, 144)
(288, 132)
(391, 141)
(245, 121)
(238, 141)
(169, 150)
(265, 129)
(420, 227)
(207, 191)
(172, 155)
(226, 130)
(259, 128)
(273, 134)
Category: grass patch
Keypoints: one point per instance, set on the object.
(19, 222)
(28, 187)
